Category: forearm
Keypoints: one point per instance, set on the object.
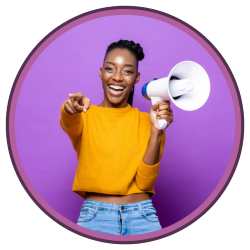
(151, 156)
(148, 168)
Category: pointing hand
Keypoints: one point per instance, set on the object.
(77, 103)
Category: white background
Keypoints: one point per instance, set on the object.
(23, 25)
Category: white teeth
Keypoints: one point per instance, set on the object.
(116, 87)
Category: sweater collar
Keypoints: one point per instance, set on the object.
(111, 110)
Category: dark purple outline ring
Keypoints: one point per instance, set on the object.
(232, 85)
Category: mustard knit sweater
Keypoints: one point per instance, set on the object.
(110, 144)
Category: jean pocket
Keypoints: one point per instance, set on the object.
(149, 213)
(87, 213)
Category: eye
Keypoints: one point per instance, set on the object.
(108, 68)
(128, 72)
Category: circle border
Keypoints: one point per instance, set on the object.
(122, 239)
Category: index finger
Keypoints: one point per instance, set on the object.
(165, 106)
(76, 96)
(165, 103)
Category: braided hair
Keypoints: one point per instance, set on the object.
(135, 49)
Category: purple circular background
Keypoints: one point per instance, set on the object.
(201, 146)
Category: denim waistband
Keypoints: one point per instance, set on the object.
(118, 207)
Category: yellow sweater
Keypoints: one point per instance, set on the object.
(110, 144)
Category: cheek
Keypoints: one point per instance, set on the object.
(106, 77)
(130, 79)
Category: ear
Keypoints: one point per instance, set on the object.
(100, 73)
(137, 78)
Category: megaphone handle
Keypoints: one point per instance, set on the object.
(161, 122)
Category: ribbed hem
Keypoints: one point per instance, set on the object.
(148, 170)
(111, 110)
(67, 117)
(99, 186)
(91, 185)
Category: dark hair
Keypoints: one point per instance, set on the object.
(135, 49)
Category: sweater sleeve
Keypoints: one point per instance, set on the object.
(72, 125)
(146, 175)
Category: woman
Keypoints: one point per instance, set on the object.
(118, 148)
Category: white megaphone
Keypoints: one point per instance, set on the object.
(187, 86)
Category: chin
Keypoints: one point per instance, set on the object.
(115, 101)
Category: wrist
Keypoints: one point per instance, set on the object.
(156, 132)
(67, 111)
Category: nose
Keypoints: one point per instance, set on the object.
(117, 76)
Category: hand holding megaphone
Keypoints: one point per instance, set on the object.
(161, 111)
(187, 86)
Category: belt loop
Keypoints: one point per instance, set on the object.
(97, 206)
(140, 208)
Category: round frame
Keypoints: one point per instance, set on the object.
(239, 124)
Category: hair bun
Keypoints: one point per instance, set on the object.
(135, 48)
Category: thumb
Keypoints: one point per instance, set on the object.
(155, 106)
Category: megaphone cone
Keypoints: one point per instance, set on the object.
(187, 86)
(197, 76)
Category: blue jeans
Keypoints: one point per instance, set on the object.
(124, 219)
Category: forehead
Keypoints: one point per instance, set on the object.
(122, 55)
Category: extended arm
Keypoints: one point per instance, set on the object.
(72, 125)
(71, 117)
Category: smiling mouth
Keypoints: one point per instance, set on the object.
(116, 89)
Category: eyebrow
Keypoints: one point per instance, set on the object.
(129, 65)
